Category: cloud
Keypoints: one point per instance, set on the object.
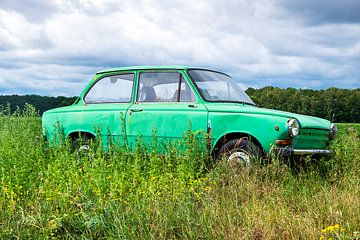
(33, 10)
(45, 79)
(324, 11)
(55, 47)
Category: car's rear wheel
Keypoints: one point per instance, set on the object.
(239, 152)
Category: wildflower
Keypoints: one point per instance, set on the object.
(331, 228)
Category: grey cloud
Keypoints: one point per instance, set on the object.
(45, 79)
(324, 11)
(257, 42)
(33, 10)
(97, 8)
(15, 34)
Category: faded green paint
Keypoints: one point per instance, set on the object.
(171, 119)
(260, 123)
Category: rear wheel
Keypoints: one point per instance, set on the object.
(239, 152)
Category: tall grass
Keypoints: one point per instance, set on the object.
(50, 192)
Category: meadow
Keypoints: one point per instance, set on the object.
(48, 192)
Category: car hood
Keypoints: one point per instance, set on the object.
(59, 109)
(304, 120)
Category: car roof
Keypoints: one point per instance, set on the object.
(163, 67)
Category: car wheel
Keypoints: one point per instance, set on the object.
(241, 152)
(80, 145)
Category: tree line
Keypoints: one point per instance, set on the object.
(338, 105)
(41, 103)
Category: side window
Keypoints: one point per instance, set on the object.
(186, 94)
(164, 87)
(112, 89)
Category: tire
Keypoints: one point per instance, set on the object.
(80, 145)
(241, 152)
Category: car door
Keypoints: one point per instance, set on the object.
(105, 106)
(166, 105)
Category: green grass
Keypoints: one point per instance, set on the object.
(344, 126)
(121, 194)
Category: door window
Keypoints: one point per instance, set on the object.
(111, 89)
(164, 87)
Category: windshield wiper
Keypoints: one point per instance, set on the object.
(241, 102)
(245, 103)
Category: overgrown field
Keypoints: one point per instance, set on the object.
(53, 193)
(344, 127)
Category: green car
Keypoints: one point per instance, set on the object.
(127, 102)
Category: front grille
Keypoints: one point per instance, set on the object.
(312, 139)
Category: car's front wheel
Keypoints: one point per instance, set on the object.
(240, 151)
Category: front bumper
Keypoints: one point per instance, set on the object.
(287, 152)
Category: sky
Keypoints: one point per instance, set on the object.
(54, 47)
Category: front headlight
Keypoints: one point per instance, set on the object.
(333, 130)
(293, 127)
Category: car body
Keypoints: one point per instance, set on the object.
(127, 102)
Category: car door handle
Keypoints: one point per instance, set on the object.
(192, 106)
(136, 110)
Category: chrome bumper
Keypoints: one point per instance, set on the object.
(287, 152)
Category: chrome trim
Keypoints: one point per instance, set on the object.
(311, 151)
(333, 130)
(293, 124)
(287, 151)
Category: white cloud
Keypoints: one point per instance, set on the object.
(259, 42)
(46, 79)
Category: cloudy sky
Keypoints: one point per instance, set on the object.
(53, 47)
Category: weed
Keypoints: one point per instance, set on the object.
(166, 190)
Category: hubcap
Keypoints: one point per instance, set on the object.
(84, 148)
(239, 157)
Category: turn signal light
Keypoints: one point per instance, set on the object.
(283, 142)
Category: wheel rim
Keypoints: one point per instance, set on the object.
(83, 148)
(239, 158)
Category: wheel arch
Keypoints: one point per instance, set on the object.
(234, 135)
(76, 134)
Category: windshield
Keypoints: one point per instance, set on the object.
(218, 87)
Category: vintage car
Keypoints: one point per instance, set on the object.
(130, 101)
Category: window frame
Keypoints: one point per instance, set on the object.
(180, 80)
(110, 75)
(202, 95)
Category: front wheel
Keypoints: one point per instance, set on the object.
(239, 152)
